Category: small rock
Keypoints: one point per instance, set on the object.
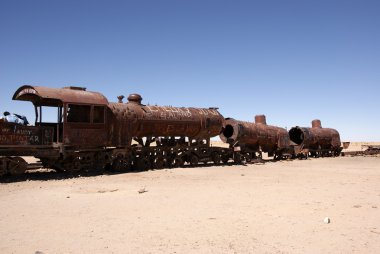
(327, 220)
(142, 190)
(68, 197)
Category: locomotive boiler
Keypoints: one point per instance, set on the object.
(316, 141)
(153, 123)
(256, 137)
(165, 136)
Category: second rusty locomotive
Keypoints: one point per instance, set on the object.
(89, 132)
(254, 138)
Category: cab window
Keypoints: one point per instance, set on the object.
(78, 113)
(98, 114)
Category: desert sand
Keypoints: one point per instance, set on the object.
(258, 208)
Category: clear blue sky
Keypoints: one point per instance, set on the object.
(293, 61)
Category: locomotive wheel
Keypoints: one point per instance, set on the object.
(248, 157)
(238, 158)
(194, 160)
(225, 159)
(278, 156)
(216, 158)
(3, 166)
(178, 162)
(99, 161)
(159, 163)
(58, 165)
(17, 165)
(74, 166)
(142, 164)
(182, 162)
(120, 164)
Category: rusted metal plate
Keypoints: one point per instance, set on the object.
(316, 137)
(50, 96)
(256, 135)
(134, 119)
(85, 135)
(12, 134)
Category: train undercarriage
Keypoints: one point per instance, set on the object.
(141, 158)
(137, 157)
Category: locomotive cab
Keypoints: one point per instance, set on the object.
(80, 115)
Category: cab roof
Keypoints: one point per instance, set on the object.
(48, 96)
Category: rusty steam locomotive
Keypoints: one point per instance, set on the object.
(92, 133)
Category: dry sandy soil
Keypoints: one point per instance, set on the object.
(262, 208)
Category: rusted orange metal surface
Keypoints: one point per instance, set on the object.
(47, 95)
(92, 133)
(133, 119)
(20, 135)
(257, 136)
(316, 137)
(76, 129)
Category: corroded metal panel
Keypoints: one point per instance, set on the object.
(256, 135)
(85, 135)
(316, 137)
(134, 119)
(14, 134)
(50, 96)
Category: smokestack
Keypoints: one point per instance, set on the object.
(316, 124)
(120, 98)
(260, 119)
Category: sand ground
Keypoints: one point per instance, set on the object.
(260, 208)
